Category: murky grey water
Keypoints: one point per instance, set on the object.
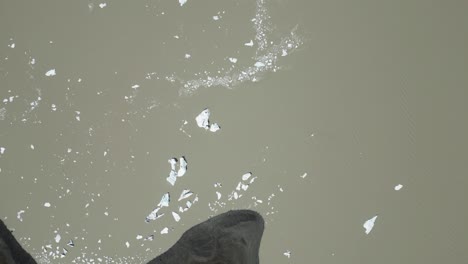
(359, 96)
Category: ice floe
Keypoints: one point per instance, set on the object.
(2, 150)
(203, 121)
(165, 230)
(287, 253)
(185, 194)
(102, 5)
(19, 215)
(182, 167)
(165, 199)
(50, 73)
(46, 204)
(176, 216)
(182, 2)
(398, 187)
(57, 238)
(369, 224)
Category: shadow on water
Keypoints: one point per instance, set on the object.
(230, 238)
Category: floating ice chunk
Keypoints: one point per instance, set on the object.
(57, 238)
(32, 146)
(135, 86)
(304, 175)
(259, 64)
(165, 199)
(2, 150)
(172, 177)
(127, 244)
(64, 251)
(398, 187)
(182, 2)
(214, 127)
(187, 56)
(138, 237)
(369, 224)
(18, 215)
(246, 176)
(244, 187)
(173, 163)
(233, 60)
(203, 119)
(150, 237)
(176, 216)
(102, 5)
(12, 45)
(46, 204)
(219, 195)
(71, 243)
(287, 253)
(50, 73)
(284, 52)
(249, 44)
(182, 167)
(215, 17)
(185, 194)
(165, 230)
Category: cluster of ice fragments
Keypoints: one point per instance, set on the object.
(203, 120)
(179, 173)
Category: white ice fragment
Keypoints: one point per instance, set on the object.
(246, 176)
(165, 230)
(369, 224)
(138, 237)
(12, 45)
(244, 186)
(32, 61)
(46, 204)
(102, 5)
(249, 44)
(185, 194)
(259, 64)
(50, 73)
(71, 243)
(287, 253)
(233, 60)
(57, 238)
(304, 175)
(182, 167)
(187, 56)
(2, 150)
(182, 2)
(32, 146)
(165, 199)
(18, 215)
(214, 127)
(173, 162)
(127, 244)
(398, 187)
(236, 196)
(172, 177)
(203, 119)
(219, 195)
(154, 215)
(215, 17)
(176, 216)
(284, 53)
(135, 86)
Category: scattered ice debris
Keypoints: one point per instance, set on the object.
(165, 199)
(259, 64)
(215, 17)
(287, 253)
(182, 167)
(246, 176)
(57, 238)
(249, 44)
(2, 150)
(187, 56)
(369, 224)
(182, 2)
(102, 5)
(185, 194)
(71, 243)
(127, 244)
(18, 215)
(176, 216)
(54, 107)
(398, 187)
(172, 177)
(77, 117)
(50, 73)
(233, 60)
(165, 230)
(135, 86)
(304, 175)
(12, 45)
(46, 204)
(138, 237)
(203, 120)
